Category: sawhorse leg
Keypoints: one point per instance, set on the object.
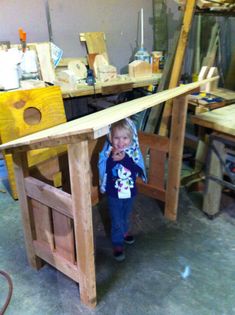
(213, 190)
(80, 178)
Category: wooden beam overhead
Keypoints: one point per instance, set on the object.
(97, 124)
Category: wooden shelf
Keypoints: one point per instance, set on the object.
(215, 12)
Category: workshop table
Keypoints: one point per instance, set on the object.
(57, 222)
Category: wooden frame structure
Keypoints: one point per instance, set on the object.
(58, 223)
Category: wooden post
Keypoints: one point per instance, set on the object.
(179, 113)
(212, 196)
(80, 178)
(21, 171)
(177, 66)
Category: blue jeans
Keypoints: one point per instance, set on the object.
(120, 212)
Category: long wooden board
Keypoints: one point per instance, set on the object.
(97, 124)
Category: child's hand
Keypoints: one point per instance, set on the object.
(118, 155)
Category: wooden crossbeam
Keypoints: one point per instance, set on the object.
(96, 125)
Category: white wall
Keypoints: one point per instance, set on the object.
(117, 18)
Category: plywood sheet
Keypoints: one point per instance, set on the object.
(17, 117)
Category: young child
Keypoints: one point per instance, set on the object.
(120, 162)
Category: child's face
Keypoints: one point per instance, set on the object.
(121, 139)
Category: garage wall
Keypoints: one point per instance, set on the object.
(117, 18)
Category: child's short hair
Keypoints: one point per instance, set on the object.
(122, 124)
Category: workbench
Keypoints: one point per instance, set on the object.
(221, 120)
(123, 83)
(221, 123)
(58, 222)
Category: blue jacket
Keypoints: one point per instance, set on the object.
(133, 151)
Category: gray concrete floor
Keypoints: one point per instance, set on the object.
(174, 268)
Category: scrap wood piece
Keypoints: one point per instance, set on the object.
(116, 88)
(78, 68)
(212, 85)
(103, 70)
(46, 65)
(139, 68)
(99, 60)
(95, 42)
(107, 73)
(178, 61)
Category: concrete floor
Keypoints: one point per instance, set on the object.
(174, 268)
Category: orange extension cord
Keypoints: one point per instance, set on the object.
(10, 284)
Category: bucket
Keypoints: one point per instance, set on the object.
(156, 60)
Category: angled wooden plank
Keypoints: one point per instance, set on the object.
(96, 125)
(178, 62)
(155, 113)
(95, 42)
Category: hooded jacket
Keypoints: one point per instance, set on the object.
(133, 151)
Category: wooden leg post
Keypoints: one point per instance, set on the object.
(21, 171)
(179, 113)
(79, 168)
(212, 196)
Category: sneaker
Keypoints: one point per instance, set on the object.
(118, 253)
(129, 239)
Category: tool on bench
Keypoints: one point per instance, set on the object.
(90, 80)
(142, 53)
(22, 36)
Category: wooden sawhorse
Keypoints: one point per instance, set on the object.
(58, 222)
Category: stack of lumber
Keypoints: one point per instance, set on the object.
(213, 5)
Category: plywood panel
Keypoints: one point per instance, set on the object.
(14, 106)
(43, 224)
(24, 112)
(64, 236)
